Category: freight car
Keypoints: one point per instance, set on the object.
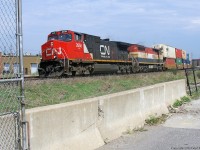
(174, 58)
(68, 53)
(196, 63)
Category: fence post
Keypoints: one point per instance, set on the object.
(188, 84)
(21, 72)
(195, 82)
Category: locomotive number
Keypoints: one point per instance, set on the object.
(105, 51)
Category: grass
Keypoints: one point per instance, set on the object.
(129, 131)
(195, 95)
(153, 120)
(8, 98)
(54, 91)
(180, 102)
(177, 103)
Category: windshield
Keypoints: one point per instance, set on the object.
(53, 37)
(61, 37)
(65, 37)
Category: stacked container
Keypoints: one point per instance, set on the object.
(184, 56)
(169, 54)
(188, 61)
(179, 57)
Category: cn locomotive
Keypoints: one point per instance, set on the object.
(69, 53)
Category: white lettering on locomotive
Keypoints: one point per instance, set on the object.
(105, 51)
(51, 44)
(58, 51)
(78, 45)
(48, 52)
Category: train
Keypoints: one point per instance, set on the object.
(196, 63)
(68, 52)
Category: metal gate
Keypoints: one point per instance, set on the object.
(192, 78)
(12, 106)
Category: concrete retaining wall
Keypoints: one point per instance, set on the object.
(86, 124)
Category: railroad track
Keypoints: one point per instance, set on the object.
(37, 78)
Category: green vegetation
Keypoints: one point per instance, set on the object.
(195, 95)
(177, 103)
(185, 99)
(198, 74)
(54, 91)
(153, 120)
(8, 98)
(129, 131)
(180, 102)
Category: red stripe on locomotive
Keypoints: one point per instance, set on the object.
(142, 49)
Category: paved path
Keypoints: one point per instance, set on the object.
(180, 132)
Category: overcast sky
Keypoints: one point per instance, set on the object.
(146, 22)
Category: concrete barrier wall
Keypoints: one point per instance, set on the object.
(86, 124)
(65, 126)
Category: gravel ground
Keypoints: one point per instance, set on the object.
(180, 132)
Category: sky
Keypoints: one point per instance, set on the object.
(146, 22)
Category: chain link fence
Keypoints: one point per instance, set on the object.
(193, 80)
(10, 77)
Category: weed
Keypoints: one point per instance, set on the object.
(129, 131)
(185, 99)
(198, 74)
(54, 91)
(195, 95)
(177, 103)
(174, 71)
(142, 129)
(153, 120)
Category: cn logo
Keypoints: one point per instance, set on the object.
(51, 52)
(105, 51)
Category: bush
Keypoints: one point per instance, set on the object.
(185, 99)
(180, 102)
(177, 103)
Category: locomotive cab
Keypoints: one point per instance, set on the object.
(60, 48)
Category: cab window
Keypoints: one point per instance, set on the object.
(53, 37)
(65, 37)
(78, 37)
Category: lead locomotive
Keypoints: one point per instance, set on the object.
(69, 53)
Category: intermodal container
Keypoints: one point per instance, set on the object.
(184, 54)
(179, 63)
(185, 63)
(168, 51)
(188, 62)
(178, 53)
(170, 63)
(189, 57)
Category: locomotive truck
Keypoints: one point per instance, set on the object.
(69, 53)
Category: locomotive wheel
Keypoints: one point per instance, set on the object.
(41, 73)
(73, 73)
